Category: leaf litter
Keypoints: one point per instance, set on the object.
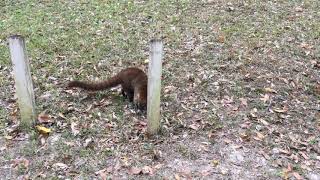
(238, 102)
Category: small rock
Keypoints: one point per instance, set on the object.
(312, 176)
(259, 127)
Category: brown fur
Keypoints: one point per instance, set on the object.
(133, 81)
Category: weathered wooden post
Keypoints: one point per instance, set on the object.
(23, 81)
(154, 86)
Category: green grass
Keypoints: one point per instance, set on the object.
(80, 30)
(86, 40)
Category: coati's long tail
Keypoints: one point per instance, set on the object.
(95, 86)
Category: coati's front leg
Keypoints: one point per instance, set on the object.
(127, 93)
(130, 96)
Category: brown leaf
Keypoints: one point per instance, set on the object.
(24, 162)
(259, 136)
(158, 166)
(228, 141)
(102, 173)
(306, 46)
(264, 122)
(177, 177)
(221, 38)
(245, 136)
(244, 102)
(246, 125)
(44, 118)
(211, 134)
(88, 143)
(135, 170)
(289, 168)
(265, 155)
(169, 89)
(253, 113)
(285, 151)
(74, 129)
(194, 126)
(147, 170)
(298, 9)
(269, 90)
(215, 163)
(265, 98)
(304, 155)
(278, 110)
(205, 173)
(60, 166)
(62, 116)
(8, 137)
(297, 176)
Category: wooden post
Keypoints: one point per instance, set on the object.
(23, 81)
(154, 86)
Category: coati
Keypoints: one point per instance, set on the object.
(134, 83)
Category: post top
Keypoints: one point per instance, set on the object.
(16, 36)
(156, 41)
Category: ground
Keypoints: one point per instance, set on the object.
(240, 90)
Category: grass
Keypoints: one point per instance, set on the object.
(212, 53)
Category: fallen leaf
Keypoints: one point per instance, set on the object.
(265, 98)
(253, 113)
(303, 166)
(298, 9)
(74, 129)
(8, 137)
(62, 116)
(88, 143)
(42, 140)
(245, 136)
(265, 155)
(158, 166)
(289, 168)
(221, 38)
(278, 110)
(215, 163)
(264, 122)
(269, 90)
(44, 118)
(177, 177)
(60, 166)
(24, 162)
(304, 155)
(147, 170)
(125, 161)
(211, 134)
(205, 173)
(135, 170)
(194, 126)
(259, 136)
(244, 102)
(297, 176)
(224, 171)
(43, 130)
(284, 151)
(102, 173)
